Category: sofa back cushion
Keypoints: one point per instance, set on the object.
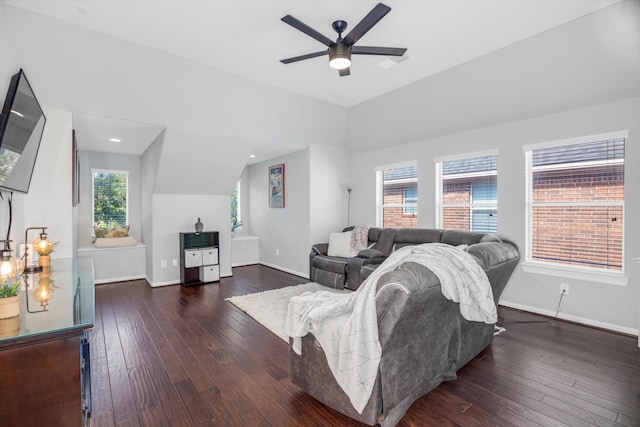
(384, 239)
(374, 235)
(416, 236)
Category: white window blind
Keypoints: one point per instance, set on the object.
(575, 204)
(397, 196)
(466, 194)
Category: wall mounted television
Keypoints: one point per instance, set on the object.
(21, 126)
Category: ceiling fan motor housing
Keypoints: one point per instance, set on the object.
(339, 55)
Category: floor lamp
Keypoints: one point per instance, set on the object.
(349, 206)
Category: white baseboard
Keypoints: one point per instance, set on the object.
(286, 270)
(118, 279)
(242, 264)
(582, 320)
(158, 284)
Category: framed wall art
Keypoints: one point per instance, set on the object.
(276, 186)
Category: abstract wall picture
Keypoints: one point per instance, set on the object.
(276, 186)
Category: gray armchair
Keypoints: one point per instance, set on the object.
(340, 272)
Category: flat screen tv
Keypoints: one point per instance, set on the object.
(21, 126)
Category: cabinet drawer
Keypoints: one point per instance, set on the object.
(210, 273)
(209, 256)
(192, 258)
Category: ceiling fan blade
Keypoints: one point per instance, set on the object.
(344, 72)
(299, 25)
(376, 14)
(375, 50)
(303, 57)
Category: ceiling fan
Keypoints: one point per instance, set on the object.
(341, 50)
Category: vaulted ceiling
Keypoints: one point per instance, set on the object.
(247, 37)
(209, 73)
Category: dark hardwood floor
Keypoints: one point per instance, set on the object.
(175, 356)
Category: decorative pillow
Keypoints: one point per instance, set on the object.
(108, 233)
(340, 244)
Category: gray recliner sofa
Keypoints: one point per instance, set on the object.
(339, 272)
(424, 339)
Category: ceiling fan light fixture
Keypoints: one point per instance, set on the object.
(340, 56)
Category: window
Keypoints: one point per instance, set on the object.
(397, 196)
(410, 200)
(110, 198)
(236, 207)
(575, 202)
(466, 193)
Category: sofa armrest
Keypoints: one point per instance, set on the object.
(317, 249)
(320, 248)
(490, 254)
(419, 332)
(498, 260)
(354, 267)
(371, 254)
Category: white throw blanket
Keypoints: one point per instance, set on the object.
(346, 325)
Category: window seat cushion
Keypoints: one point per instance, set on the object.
(114, 242)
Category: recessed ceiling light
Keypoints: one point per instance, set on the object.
(114, 140)
(252, 156)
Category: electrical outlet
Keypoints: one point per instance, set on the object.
(163, 263)
(277, 252)
(174, 262)
(564, 288)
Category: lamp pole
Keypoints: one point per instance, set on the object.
(349, 206)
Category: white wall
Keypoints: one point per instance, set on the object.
(315, 205)
(149, 170)
(49, 201)
(609, 306)
(328, 173)
(285, 230)
(6, 71)
(108, 161)
(175, 213)
(6, 63)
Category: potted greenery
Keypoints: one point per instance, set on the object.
(234, 226)
(9, 298)
(44, 250)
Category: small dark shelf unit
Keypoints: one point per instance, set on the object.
(199, 258)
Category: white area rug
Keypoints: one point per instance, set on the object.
(269, 308)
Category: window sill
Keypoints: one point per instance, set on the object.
(608, 278)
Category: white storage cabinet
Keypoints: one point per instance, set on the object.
(199, 258)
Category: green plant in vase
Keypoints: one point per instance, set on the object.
(44, 248)
(9, 288)
(10, 270)
(9, 298)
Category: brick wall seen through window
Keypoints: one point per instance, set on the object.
(576, 203)
(466, 194)
(397, 197)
